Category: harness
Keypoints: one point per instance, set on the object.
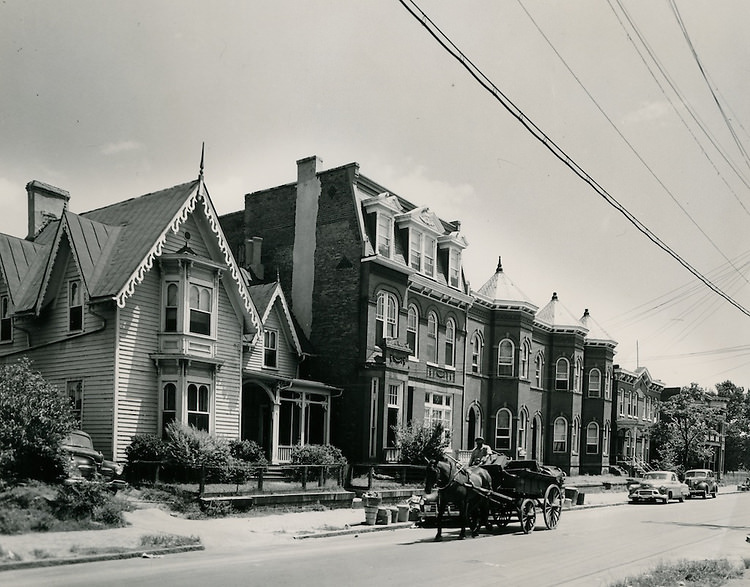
(452, 477)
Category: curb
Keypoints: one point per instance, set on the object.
(54, 562)
(358, 529)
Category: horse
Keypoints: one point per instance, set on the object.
(454, 484)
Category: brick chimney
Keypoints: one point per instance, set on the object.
(45, 203)
(303, 256)
(252, 255)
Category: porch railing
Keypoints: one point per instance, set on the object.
(285, 454)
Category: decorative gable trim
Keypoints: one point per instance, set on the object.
(54, 250)
(190, 205)
(278, 294)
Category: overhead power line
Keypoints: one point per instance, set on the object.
(627, 142)
(488, 85)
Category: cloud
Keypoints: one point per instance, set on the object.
(647, 113)
(121, 147)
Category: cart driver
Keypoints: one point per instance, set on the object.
(481, 454)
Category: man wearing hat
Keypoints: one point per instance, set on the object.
(481, 454)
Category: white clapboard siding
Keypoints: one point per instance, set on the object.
(287, 354)
(228, 389)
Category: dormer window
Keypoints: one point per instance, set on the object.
(6, 321)
(75, 306)
(384, 236)
(430, 246)
(454, 267)
(422, 251)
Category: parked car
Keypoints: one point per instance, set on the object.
(88, 463)
(658, 486)
(701, 482)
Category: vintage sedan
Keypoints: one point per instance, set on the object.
(658, 486)
(702, 482)
(88, 463)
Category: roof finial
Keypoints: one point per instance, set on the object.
(499, 264)
(203, 147)
(554, 296)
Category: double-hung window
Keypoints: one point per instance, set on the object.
(198, 406)
(454, 267)
(595, 383)
(560, 435)
(412, 331)
(75, 306)
(171, 307)
(538, 370)
(430, 245)
(416, 239)
(505, 358)
(75, 396)
(270, 348)
(450, 343)
(562, 374)
(592, 438)
(169, 406)
(386, 317)
(6, 320)
(385, 235)
(200, 309)
(437, 409)
(476, 352)
(524, 359)
(432, 333)
(502, 429)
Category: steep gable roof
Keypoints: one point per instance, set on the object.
(265, 296)
(18, 259)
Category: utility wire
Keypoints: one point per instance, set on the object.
(625, 140)
(684, 102)
(681, 23)
(488, 85)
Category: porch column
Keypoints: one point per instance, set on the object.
(275, 416)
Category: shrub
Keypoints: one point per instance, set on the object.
(316, 454)
(144, 447)
(195, 449)
(419, 442)
(35, 417)
(248, 451)
(89, 501)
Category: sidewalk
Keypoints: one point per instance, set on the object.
(221, 534)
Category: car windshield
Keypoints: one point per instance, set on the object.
(81, 440)
(659, 476)
(696, 474)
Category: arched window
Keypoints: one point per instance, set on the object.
(605, 440)
(412, 330)
(505, 358)
(539, 370)
(608, 384)
(524, 359)
(502, 429)
(560, 435)
(476, 352)
(386, 317)
(621, 402)
(562, 374)
(595, 383)
(432, 335)
(450, 343)
(577, 375)
(574, 438)
(592, 438)
(171, 307)
(523, 423)
(200, 309)
(628, 445)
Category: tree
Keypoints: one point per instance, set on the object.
(686, 419)
(35, 417)
(419, 442)
(737, 450)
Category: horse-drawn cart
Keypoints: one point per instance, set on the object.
(497, 492)
(518, 488)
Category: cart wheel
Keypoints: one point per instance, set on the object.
(552, 506)
(527, 515)
(501, 517)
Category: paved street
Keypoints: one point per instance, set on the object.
(590, 547)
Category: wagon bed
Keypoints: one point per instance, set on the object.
(519, 487)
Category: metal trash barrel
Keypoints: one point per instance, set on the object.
(371, 501)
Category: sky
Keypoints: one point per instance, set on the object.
(112, 100)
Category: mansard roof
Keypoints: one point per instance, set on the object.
(500, 291)
(558, 318)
